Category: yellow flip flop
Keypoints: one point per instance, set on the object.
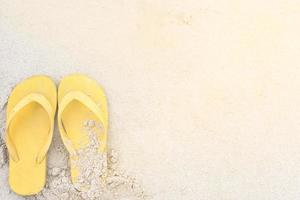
(79, 99)
(29, 128)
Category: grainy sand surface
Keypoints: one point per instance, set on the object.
(203, 95)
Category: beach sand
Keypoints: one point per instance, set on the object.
(203, 95)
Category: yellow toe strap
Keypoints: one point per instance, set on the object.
(43, 101)
(91, 105)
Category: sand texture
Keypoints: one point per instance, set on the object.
(203, 95)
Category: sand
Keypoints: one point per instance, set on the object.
(203, 95)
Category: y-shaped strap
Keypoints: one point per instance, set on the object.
(91, 105)
(41, 100)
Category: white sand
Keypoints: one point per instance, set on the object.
(203, 95)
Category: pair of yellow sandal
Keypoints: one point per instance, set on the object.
(31, 110)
